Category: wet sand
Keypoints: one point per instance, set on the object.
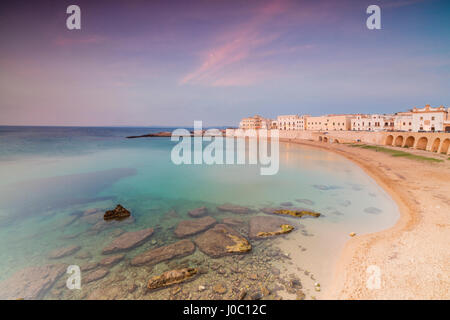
(413, 255)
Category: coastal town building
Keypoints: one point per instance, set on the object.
(403, 121)
(332, 122)
(373, 122)
(255, 122)
(429, 118)
(291, 122)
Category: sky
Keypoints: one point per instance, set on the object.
(168, 63)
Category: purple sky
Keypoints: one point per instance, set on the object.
(141, 63)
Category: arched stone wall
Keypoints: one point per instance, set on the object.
(422, 143)
(445, 146)
(389, 140)
(436, 144)
(409, 142)
(399, 141)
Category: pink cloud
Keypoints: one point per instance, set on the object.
(235, 46)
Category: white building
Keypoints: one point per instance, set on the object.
(291, 122)
(403, 121)
(429, 119)
(373, 122)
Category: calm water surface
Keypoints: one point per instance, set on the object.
(50, 176)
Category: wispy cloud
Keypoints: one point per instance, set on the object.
(221, 64)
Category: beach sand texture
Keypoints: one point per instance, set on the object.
(413, 255)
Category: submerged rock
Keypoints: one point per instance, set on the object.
(171, 277)
(63, 252)
(262, 227)
(95, 275)
(293, 213)
(222, 240)
(191, 227)
(89, 266)
(220, 288)
(372, 210)
(110, 261)
(233, 222)
(286, 204)
(105, 224)
(118, 213)
(178, 249)
(128, 240)
(31, 282)
(234, 209)
(199, 212)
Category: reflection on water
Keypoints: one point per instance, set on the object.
(56, 185)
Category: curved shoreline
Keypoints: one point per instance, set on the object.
(349, 276)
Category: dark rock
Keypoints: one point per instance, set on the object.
(178, 249)
(191, 227)
(118, 213)
(171, 277)
(31, 283)
(199, 212)
(222, 240)
(63, 252)
(128, 240)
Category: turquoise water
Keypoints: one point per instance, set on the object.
(48, 176)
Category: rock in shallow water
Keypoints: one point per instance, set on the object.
(234, 209)
(31, 282)
(262, 227)
(128, 240)
(112, 260)
(178, 249)
(95, 275)
(294, 212)
(191, 227)
(199, 212)
(63, 252)
(222, 240)
(171, 277)
(118, 213)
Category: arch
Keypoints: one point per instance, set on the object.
(409, 143)
(320, 138)
(445, 145)
(336, 141)
(436, 144)
(399, 141)
(389, 140)
(325, 139)
(422, 143)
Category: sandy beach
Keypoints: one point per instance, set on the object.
(413, 255)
